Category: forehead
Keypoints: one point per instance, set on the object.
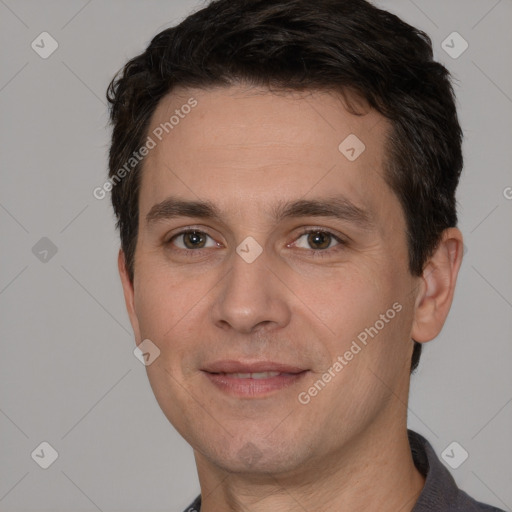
(243, 148)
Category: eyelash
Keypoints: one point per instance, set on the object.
(317, 253)
(190, 253)
(321, 253)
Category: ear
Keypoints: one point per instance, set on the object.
(437, 286)
(128, 290)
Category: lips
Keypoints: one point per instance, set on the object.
(254, 375)
(257, 379)
(241, 367)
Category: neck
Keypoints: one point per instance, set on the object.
(374, 471)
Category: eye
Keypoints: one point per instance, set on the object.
(192, 239)
(318, 240)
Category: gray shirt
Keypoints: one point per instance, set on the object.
(440, 493)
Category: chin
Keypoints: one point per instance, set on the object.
(252, 456)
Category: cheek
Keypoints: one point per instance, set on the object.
(173, 312)
(346, 299)
(161, 300)
(369, 313)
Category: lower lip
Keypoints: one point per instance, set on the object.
(253, 387)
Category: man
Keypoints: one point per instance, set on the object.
(283, 175)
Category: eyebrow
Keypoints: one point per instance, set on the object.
(337, 207)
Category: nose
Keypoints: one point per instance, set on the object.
(251, 297)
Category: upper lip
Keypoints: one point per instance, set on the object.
(233, 366)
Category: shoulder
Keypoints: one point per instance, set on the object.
(195, 506)
(440, 492)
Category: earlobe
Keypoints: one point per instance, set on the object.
(437, 287)
(129, 293)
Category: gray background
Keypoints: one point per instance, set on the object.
(68, 374)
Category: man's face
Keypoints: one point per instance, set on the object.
(286, 300)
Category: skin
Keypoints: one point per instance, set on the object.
(245, 150)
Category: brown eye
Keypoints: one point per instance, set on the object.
(319, 240)
(192, 239)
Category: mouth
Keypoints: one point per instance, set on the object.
(252, 380)
(255, 375)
